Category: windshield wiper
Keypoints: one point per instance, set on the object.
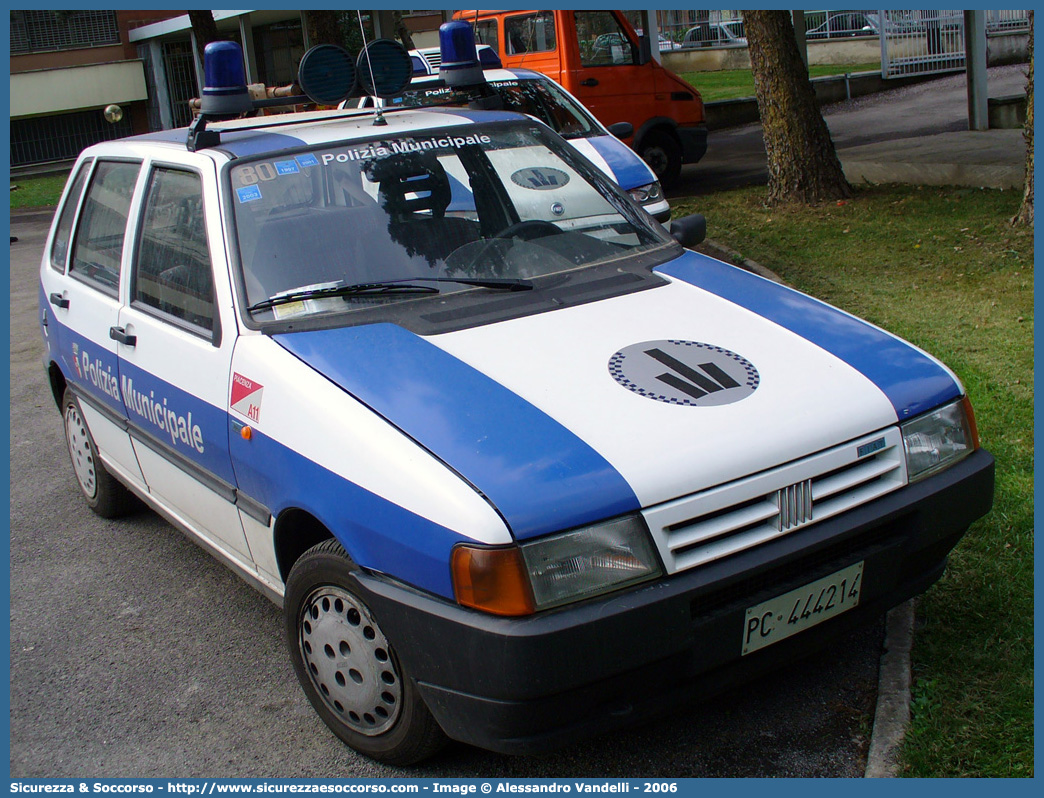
(356, 289)
(405, 286)
(504, 283)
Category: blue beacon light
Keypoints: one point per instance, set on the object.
(224, 86)
(460, 63)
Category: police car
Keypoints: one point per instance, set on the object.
(528, 92)
(514, 477)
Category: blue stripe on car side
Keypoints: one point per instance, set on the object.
(376, 533)
(913, 382)
(540, 476)
(630, 170)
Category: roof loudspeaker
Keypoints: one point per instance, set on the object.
(327, 74)
(385, 69)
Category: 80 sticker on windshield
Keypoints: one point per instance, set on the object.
(779, 618)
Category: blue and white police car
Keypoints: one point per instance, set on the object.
(518, 473)
(527, 92)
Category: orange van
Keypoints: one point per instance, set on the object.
(603, 62)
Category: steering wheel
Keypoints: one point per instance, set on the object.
(529, 229)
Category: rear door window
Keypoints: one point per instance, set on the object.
(98, 249)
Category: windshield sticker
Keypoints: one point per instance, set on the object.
(286, 167)
(246, 396)
(307, 160)
(542, 178)
(248, 193)
(386, 148)
(684, 373)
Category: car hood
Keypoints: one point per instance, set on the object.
(616, 159)
(568, 417)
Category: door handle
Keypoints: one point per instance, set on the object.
(59, 301)
(589, 82)
(120, 334)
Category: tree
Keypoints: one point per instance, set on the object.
(402, 31)
(325, 27)
(802, 164)
(204, 28)
(1025, 214)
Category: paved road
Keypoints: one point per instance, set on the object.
(736, 157)
(133, 653)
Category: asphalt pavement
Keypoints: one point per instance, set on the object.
(916, 134)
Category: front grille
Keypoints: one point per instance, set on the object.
(730, 518)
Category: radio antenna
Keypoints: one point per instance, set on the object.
(378, 118)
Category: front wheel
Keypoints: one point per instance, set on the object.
(663, 152)
(346, 665)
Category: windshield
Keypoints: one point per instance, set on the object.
(493, 203)
(534, 97)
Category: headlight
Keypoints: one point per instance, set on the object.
(647, 194)
(554, 570)
(939, 439)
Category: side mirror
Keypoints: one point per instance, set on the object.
(689, 230)
(621, 129)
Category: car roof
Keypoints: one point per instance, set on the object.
(257, 136)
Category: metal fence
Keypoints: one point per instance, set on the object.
(44, 139)
(921, 42)
(1006, 21)
(682, 30)
(44, 31)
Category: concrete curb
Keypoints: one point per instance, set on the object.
(893, 694)
(722, 252)
(892, 714)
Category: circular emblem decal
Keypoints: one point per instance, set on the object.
(684, 373)
(540, 178)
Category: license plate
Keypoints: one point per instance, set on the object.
(779, 618)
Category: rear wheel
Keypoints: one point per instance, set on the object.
(103, 492)
(346, 665)
(662, 151)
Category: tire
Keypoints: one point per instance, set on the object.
(662, 151)
(347, 667)
(102, 491)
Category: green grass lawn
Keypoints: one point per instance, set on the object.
(37, 192)
(728, 84)
(943, 269)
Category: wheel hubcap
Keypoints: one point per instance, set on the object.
(80, 451)
(657, 159)
(349, 661)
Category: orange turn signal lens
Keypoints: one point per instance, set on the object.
(491, 580)
(970, 413)
(246, 433)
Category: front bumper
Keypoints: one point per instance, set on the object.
(522, 685)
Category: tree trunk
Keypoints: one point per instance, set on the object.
(204, 28)
(402, 31)
(325, 27)
(802, 165)
(1025, 214)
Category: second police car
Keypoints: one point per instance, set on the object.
(529, 92)
(517, 473)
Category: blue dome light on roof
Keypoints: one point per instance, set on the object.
(224, 86)
(460, 64)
